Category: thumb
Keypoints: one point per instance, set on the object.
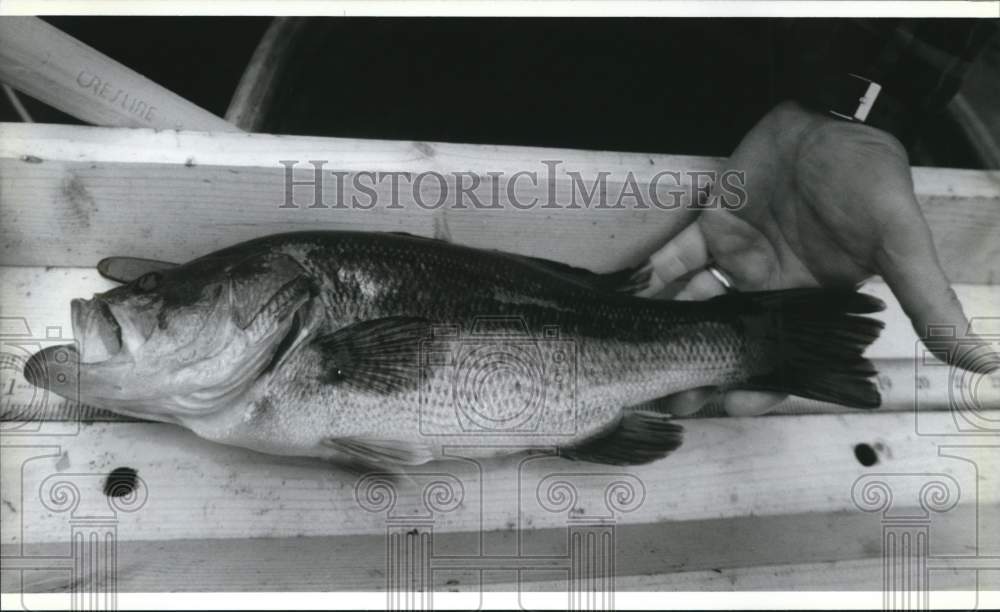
(909, 264)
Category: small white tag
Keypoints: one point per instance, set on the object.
(867, 101)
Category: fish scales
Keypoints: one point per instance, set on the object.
(388, 348)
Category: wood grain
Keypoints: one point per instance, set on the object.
(175, 195)
(195, 489)
(780, 508)
(744, 504)
(745, 553)
(57, 69)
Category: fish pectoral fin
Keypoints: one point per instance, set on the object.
(127, 269)
(381, 355)
(377, 452)
(637, 437)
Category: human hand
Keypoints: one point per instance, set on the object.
(828, 203)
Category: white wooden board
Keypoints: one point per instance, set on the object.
(726, 468)
(745, 503)
(175, 195)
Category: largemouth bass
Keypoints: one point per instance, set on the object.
(385, 349)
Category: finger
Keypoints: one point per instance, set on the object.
(702, 286)
(688, 402)
(751, 403)
(909, 264)
(682, 254)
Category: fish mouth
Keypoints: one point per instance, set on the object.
(98, 334)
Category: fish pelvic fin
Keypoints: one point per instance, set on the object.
(637, 437)
(378, 356)
(815, 339)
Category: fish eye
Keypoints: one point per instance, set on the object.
(149, 281)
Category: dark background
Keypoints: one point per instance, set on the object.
(684, 86)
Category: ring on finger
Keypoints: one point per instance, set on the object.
(722, 277)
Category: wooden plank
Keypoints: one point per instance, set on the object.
(57, 69)
(174, 195)
(744, 553)
(233, 190)
(727, 468)
(841, 575)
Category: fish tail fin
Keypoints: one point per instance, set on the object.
(815, 339)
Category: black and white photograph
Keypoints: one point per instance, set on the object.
(569, 306)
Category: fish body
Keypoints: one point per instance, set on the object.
(389, 349)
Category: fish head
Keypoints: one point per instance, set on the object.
(185, 341)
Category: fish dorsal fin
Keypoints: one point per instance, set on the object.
(626, 280)
(630, 280)
(382, 452)
(378, 356)
(127, 269)
(637, 437)
(442, 233)
(437, 237)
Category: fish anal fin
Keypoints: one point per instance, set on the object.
(638, 437)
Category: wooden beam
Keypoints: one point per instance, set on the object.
(176, 195)
(726, 468)
(745, 553)
(57, 69)
(702, 518)
(844, 575)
